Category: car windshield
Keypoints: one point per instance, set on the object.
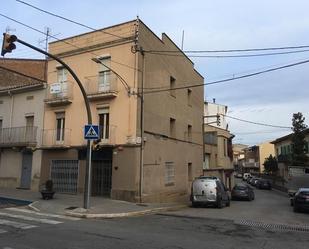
(304, 193)
(240, 187)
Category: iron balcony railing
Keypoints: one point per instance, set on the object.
(101, 86)
(59, 93)
(18, 136)
(56, 138)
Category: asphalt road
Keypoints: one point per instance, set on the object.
(187, 228)
(269, 206)
(155, 231)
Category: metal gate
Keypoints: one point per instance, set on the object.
(101, 177)
(64, 174)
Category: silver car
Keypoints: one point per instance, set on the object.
(209, 190)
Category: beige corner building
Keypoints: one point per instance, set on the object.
(148, 150)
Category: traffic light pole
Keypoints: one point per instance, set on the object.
(88, 160)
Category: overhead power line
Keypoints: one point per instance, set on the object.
(231, 56)
(71, 44)
(228, 50)
(230, 79)
(258, 123)
(67, 19)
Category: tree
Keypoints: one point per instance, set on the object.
(271, 165)
(299, 157)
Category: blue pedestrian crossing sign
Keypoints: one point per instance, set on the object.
(91, 132)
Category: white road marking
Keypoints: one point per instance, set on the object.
(42, 214)
(28, 218)
(16, 224)
(2, 231)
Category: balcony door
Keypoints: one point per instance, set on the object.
(62, 80)
(104, 124)
(60, 127)
(29, 133)
(104, 83)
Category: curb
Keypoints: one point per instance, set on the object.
(32, 207)
(122, 215)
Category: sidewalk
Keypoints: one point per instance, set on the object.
(100, 207)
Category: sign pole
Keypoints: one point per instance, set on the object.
(88, 176)
(87, 105)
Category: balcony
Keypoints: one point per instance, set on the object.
(56, 138)
(101, 86)
(59, 94)
(25, 136)
(106, 140)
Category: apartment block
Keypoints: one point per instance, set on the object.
(150, 146)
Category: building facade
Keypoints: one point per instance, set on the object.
(22, 90)
(254, 157)
(150, 145)
(218, 152)
(283, 152)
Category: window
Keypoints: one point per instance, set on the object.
(104, 74)
(224, 146)
(1, 123)
(190, 133)
(206, 162)
(104, 123)
(172, 127)
(210, 138)
(189, 171)
(60, 123)
(189, 94)
(169, 173)
(172, 86)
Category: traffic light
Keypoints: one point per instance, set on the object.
(8, 43)
(218, 120)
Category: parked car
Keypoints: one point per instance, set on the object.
(209, 190)
(242, 191)
(263, 184)
(245, 176)
(301, 200)
(254, 181)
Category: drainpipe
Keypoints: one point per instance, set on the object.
(12, 108)
(141, 173)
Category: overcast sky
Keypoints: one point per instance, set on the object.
(208, 25)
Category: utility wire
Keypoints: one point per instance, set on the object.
(230, 79)
(228, 50)
(257, 123)
(67, 19)
(57, 39)
(231, 56)
(71, 44)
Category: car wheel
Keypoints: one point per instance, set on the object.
(291, 202)
(219, 203)
(228, 202)
(194, 204)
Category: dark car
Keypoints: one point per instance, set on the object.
(263, 184)
(301, 200)
(242, 191)
(253, 181)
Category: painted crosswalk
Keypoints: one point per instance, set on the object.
(20, 218)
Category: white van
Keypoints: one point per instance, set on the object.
(209, 190)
